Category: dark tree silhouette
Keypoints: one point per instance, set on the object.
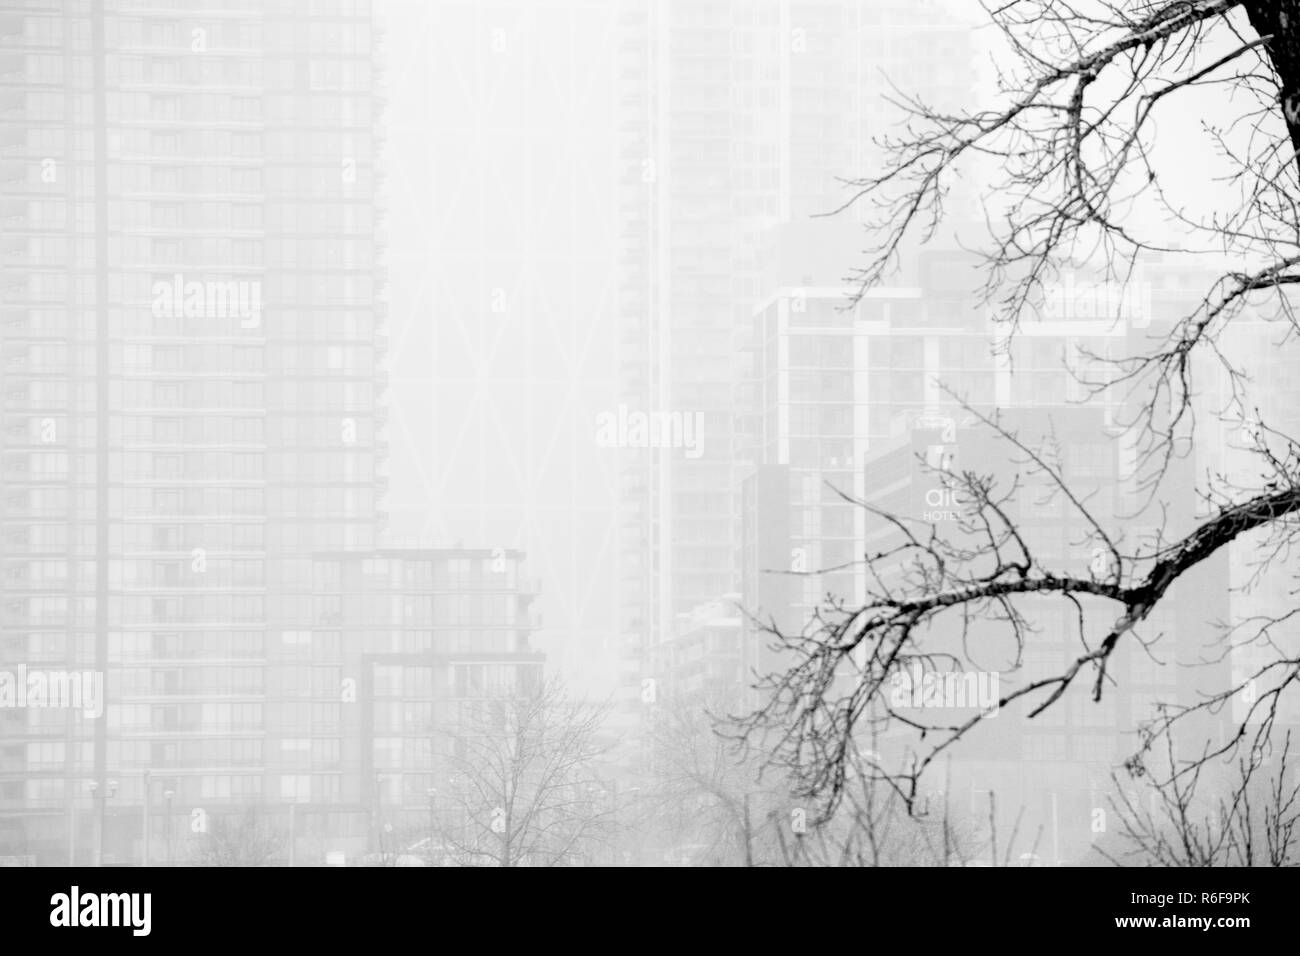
(1071, 160)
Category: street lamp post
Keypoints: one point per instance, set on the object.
(145, 850)
(167, 795)
(97, 844)
(108, 795)
(101, 816)
(433, 821)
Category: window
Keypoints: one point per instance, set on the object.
(325, 750)
(388, 753)
(327, 787)
(295, 787)
(387, 680)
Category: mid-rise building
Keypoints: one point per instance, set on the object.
(394, 644)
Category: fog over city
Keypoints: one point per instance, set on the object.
(649, 433)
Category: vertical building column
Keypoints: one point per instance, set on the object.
(102, 333)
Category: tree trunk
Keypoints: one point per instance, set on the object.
(1280, 19)
(749, 838)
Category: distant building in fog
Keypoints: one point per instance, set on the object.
(703, 659)
(827, 382)
(193, 337)
(734, 117)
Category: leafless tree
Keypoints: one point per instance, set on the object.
(728, 808)
(1076, 176)
(873, 826)
(243, 839)
(522, 786)
(709, 800)
(1252, 823)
